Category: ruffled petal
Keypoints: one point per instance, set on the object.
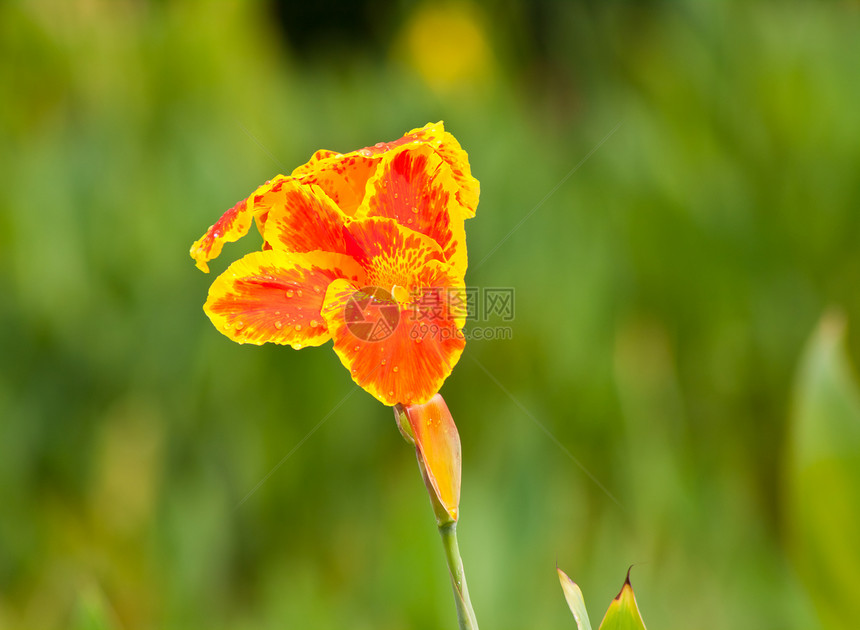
(452, 153)
(342, 177)
(416, 188)
(402, 356)
(276, 297)
(311, 165)
(233, 225)
(302, 218)
(265, 198)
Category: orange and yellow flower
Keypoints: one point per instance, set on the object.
(366, 248)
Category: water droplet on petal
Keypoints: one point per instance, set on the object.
(298, 326)
(314, 323)
(383, 362)
(299, 293)
(297, 346)
(290, 293)
(395, 368)
(415, 209)
(240, 325)
(278, 324)
(391, 393)
(357, 348)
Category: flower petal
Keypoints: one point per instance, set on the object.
(276, 297)
(311, 165)
(265, 198)
(302, 218)
(342, 177)
(417, 189)
(233, 225)
(450, 151)
(418, 347)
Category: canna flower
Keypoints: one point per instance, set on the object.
(365, 248)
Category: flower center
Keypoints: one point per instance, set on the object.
(400, 294)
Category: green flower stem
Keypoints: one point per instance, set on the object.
(465, 614)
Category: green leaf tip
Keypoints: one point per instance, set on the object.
(623, 613)
(574, 599)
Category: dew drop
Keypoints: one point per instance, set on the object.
(366, 152)
(317, 289)
(314, 323)
(299, 293)
(409, 222)
(357, 348)
(289, 293)
(240, 325)
(298, 326)
(379, 145)
(277, 312)
(395, 368)
(278, 324)
(297, 346)
(391, 393)
(415, 209)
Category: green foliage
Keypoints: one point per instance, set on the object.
(92, 611)
(622, 614)
(823, 476)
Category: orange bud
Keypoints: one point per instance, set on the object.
(437, 445)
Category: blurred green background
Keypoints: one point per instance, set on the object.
(668, 295)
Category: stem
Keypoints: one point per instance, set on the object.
(465, 614)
